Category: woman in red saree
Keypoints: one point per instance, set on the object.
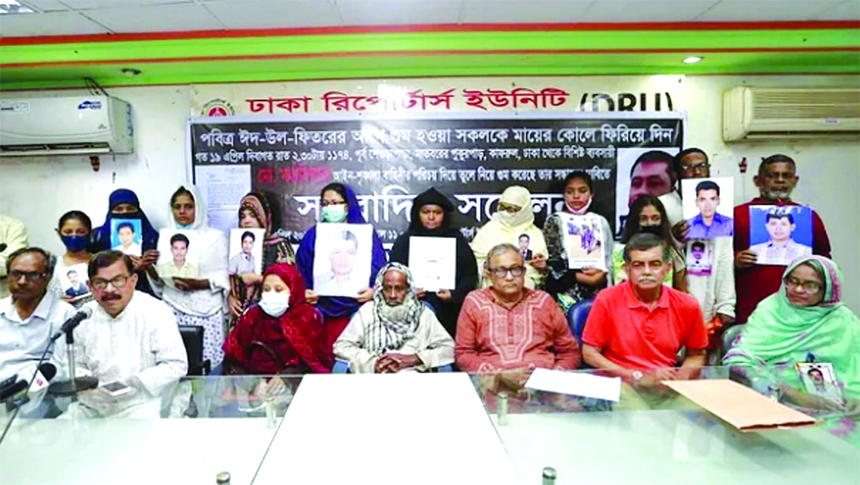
(283, 334)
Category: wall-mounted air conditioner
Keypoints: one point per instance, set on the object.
(65, 126)
(790, 113)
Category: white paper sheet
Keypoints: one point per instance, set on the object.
(433, 262)
(575, 384)
(223, 186)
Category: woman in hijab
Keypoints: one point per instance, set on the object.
(570, 286)
(431, 217)
(339, 205)
(805, 322)
(513, 223)
(75, 230)
(647, 214)
(255, 211)
(281, 335)
(199, 301)
(124, 204)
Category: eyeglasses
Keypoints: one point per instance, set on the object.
(117, 282)
(327, 203)
(512, 209)
(30, 276)
(808, 286)
(698, 167)
(516, 271)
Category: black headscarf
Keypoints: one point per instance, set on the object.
(467, 267)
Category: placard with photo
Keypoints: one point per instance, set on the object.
(342, 259)
(126, 236)
(818, 379)
(246, 251)
(583, 241)
(700, 257)
(780, 234)
(708, 207)
(74, 281)
(433, 262)
(178, 254)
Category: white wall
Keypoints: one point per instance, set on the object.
(39, 190)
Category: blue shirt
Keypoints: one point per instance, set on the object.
(721, 226)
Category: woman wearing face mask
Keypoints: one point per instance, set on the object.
(283, 334)
(513, 223)
(124, 204)
(339, 205)
(256, 211)
(74, 229)
(198, 301)
(647, 214)
(431, 217)
(570, 286)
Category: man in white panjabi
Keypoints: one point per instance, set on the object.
(394, 332)
(131, 338)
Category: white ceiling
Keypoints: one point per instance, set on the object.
(71, 17)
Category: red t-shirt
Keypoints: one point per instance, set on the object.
(756, 283)
(634, 337)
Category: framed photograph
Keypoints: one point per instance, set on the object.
(73, 281)
(700, 257)
(708, 207)
(246, 251)
(342, 259)
(818, 379)
(583, 241)
(780, 234)
(126, 236)
(178, 253)
(433, 262)
(651, 178)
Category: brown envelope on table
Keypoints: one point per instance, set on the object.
(740, 406)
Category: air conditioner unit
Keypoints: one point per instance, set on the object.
(65, 126)
(790, 113)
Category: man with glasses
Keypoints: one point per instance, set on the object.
(31, 314)
(776, 180)
(508, 327)
(636, 329)
(132, 338)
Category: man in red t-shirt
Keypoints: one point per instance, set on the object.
(753, 283)
(636, 329)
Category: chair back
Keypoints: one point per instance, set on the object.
(576, 318)
(192, 337)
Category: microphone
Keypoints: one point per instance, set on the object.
(3, 247)
(43, 375)
(10, 391)
(73, 321)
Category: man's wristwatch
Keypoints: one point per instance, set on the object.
(637, 376)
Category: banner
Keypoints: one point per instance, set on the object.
(416, 96)
(388, 161)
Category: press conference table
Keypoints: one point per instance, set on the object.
(132, 451)
(417, 429)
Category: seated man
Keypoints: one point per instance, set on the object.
(394, 332)
(131, 338)
(31, 315)
(508, 327)
(636, 329)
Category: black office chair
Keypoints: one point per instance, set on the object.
(192, 337)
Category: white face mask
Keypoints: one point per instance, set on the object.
(275, 304)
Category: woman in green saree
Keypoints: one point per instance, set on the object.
(806, 322)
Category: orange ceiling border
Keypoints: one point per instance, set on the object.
(335, 55)
(434, 28)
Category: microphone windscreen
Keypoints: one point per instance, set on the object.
(48, 370)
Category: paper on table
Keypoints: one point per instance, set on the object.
(575, 384)
(740, 406)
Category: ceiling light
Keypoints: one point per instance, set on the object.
(12, 6)
(692, 60)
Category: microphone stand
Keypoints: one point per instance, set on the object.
(74, 384)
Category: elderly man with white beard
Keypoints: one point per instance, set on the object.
(394, 332)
